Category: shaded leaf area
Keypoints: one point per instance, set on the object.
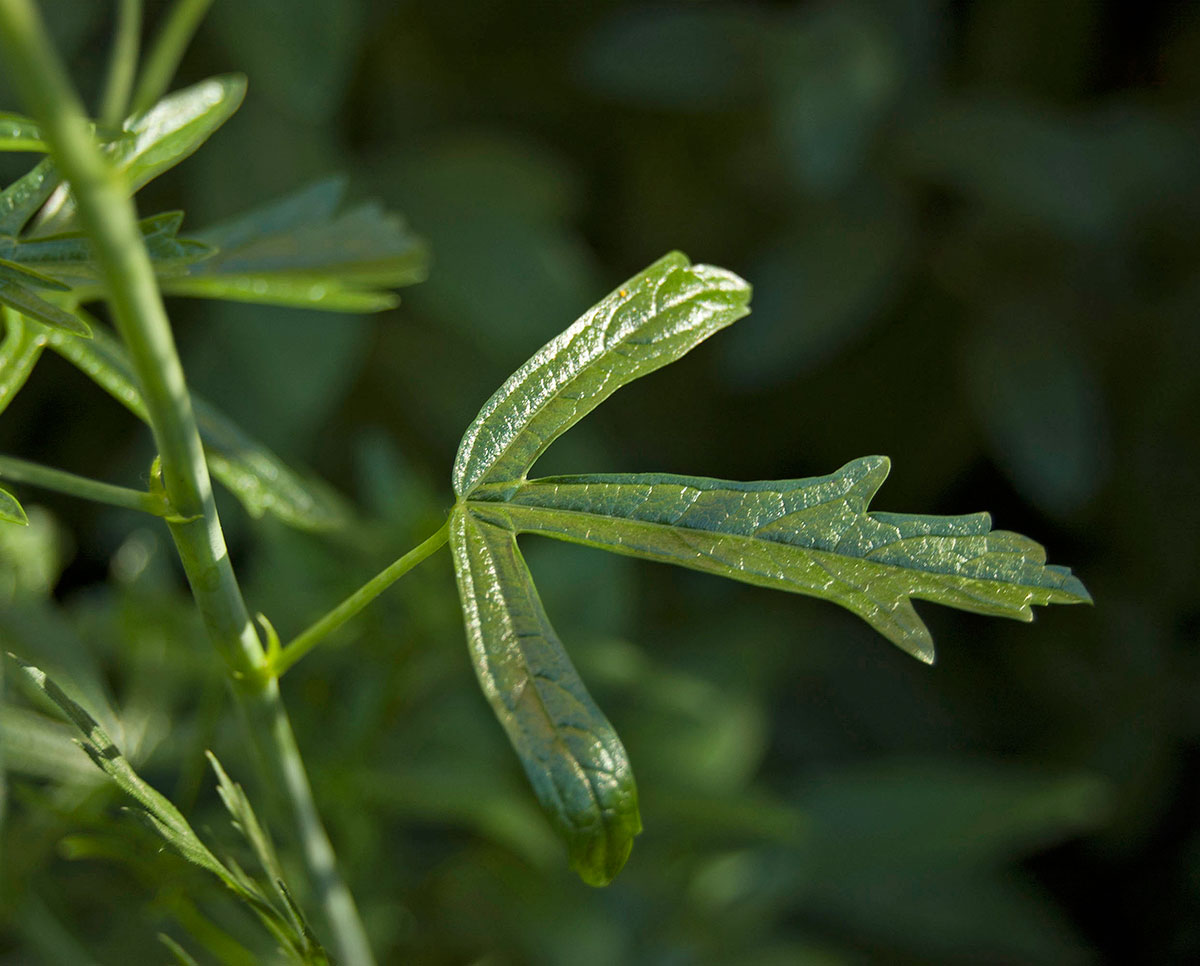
(571, 754)
(159, 814)
(255, 475)
(10, 510)
(303, 251)
(811, 536)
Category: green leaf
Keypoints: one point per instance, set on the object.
(257, 477)
(19, 133)
(69, 255)
(571, 754)
(301, 252)
(650, 321)
(15, 282)
(20, 200)
(19, 353)
(10, 510)
(157, 140)
(810, 536)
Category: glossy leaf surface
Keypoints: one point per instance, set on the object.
(10, 510)
(650, 321)
(810, 536)
(256, 476)
(572, 755)
(302, 251)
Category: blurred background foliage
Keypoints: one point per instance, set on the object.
(973, 233)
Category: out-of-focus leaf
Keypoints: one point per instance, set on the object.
(159, 139)
(811, 536)
(20, 200)
(15, 283)
(69, 255)
(835, 74)
(652, 320)
(691, 58)
(255, 475)
(19, 133)
(570, 752)
(10, 510)
(300, 251)
(817, 290)
(181, 955)
(40, 747)
(19, 353)
(1041, 406)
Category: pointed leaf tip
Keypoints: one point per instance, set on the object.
(647, 322)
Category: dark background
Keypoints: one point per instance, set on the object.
(973, 233)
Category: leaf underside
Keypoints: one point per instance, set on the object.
(812, 536)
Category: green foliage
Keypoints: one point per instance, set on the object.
(811, 536)
(167, 822)
(19, 133)
(10, 510)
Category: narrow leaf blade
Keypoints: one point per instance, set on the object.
(19, 353)
(810, 536)
(650, 321)
(571, 754)
(14, 293)
(20, 200)
(19, 133)
(260, 480)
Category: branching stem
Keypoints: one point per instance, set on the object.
(132, 292)
(34, 474)
(310, 638)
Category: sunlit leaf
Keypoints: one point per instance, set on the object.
(572, 755)
(255, 475)
(650, 321)
(10, 510)
(810, 536)
(19, 133)
(301, 251)
(19, 353)
(157, 140)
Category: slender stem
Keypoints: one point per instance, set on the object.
(34, 474)
(170, 42)
(123, 64)
(109, 219)
(310, 638)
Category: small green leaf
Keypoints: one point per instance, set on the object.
(256, 476)
(19, 133)
(157, 140)
(650, 321)
(21, 200)
(811, 536)
(69, 255)
(182, 956)
(10, 510)
(19, 353)
(300, 252)
(572, 755)
(14, 292)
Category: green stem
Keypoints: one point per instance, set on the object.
(170, 42)
(123, 64)
(307, 640)
(108, 216)
(34, 474)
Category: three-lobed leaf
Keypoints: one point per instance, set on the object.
(812, 536)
